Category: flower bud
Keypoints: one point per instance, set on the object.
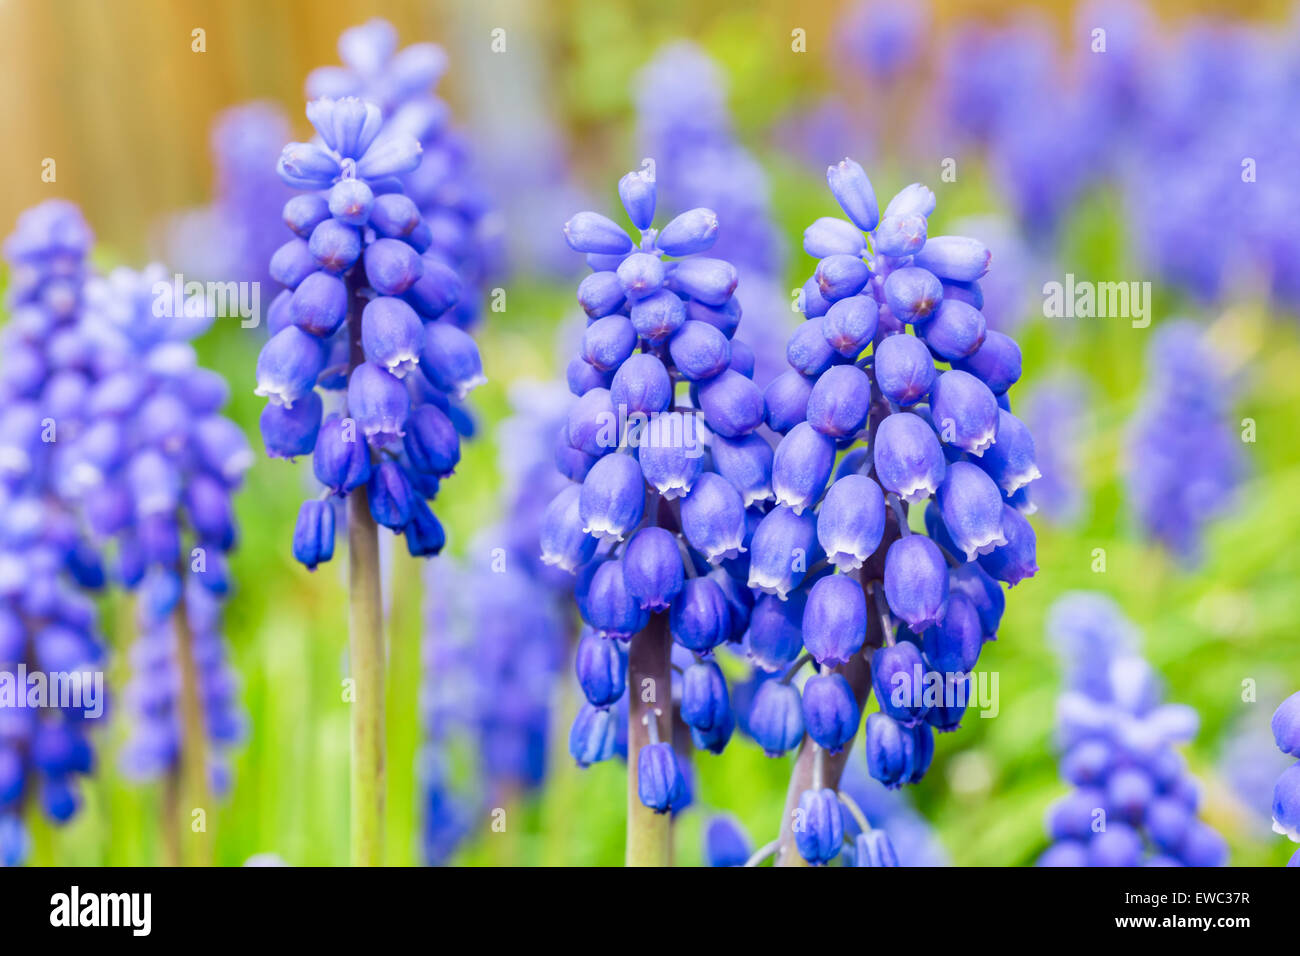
(953, 647)
(801, 466)
(705, 703)
(288, 366)
(592, 425)
(954, 257)
(851, 521)
(608, 342)
(436, 290)
(830, 711)
(900, 236)
(839, 402)
(850, 324)
(913, 294)
(601, 664)
(996, 363)
(652, 568)
(319, 304)
(955, 331)
(671, 454)
(819, 826)
(889, 750)
(783, 548)
(450, 359)
(785, 400)
(835, 619)
(608, 607)
(774, 637)
(592, 737)
(711, 281)
(1016, 560)
(659, 780)
(809, 350)
(334, 246)
(341, 461)
(916, 581)
(641, 385)
(725, 843)
(563, 542)
(915, 199)
(304, 212)
(839, 277)
(873, 848)
(641, 274)
(425, 536)
(379, 403)
(290, 432)
(908, 458)
(658, 315)
(390, 495)
(432, 443)
(852, 190)
(1286, 725)
(637, 192)
(964, 411)
(699, 351)
(601, 294)
(746, 462)
(313, 534)
(776, 718)
(971, 507)
(700, 618)
(829, 236)
(592, 232)
(693, 231)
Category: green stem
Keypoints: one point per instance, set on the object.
(649, 684)
(366, 643)
(194, 740)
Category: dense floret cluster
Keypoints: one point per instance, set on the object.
(1134, 803)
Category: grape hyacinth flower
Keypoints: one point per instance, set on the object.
(894, 352)
(464, 232)
(655, 532)
(48, 622)
(1286, 792)
(1134, 803)
(1185, 462)
(367, 318)
(496, 639)
(155, 476)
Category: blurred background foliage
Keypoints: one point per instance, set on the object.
(112, 91)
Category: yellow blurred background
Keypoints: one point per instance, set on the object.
(114, 93)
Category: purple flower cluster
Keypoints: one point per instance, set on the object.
(1185, 461)
(896, 351)
(463, 231)
(152, 696)
(48, 629)
(1134, 802)
(653, 524)
(496, 637)
(367, 318)
(155, 474)
(1286, 792)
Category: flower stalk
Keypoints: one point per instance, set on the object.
(649, 834)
